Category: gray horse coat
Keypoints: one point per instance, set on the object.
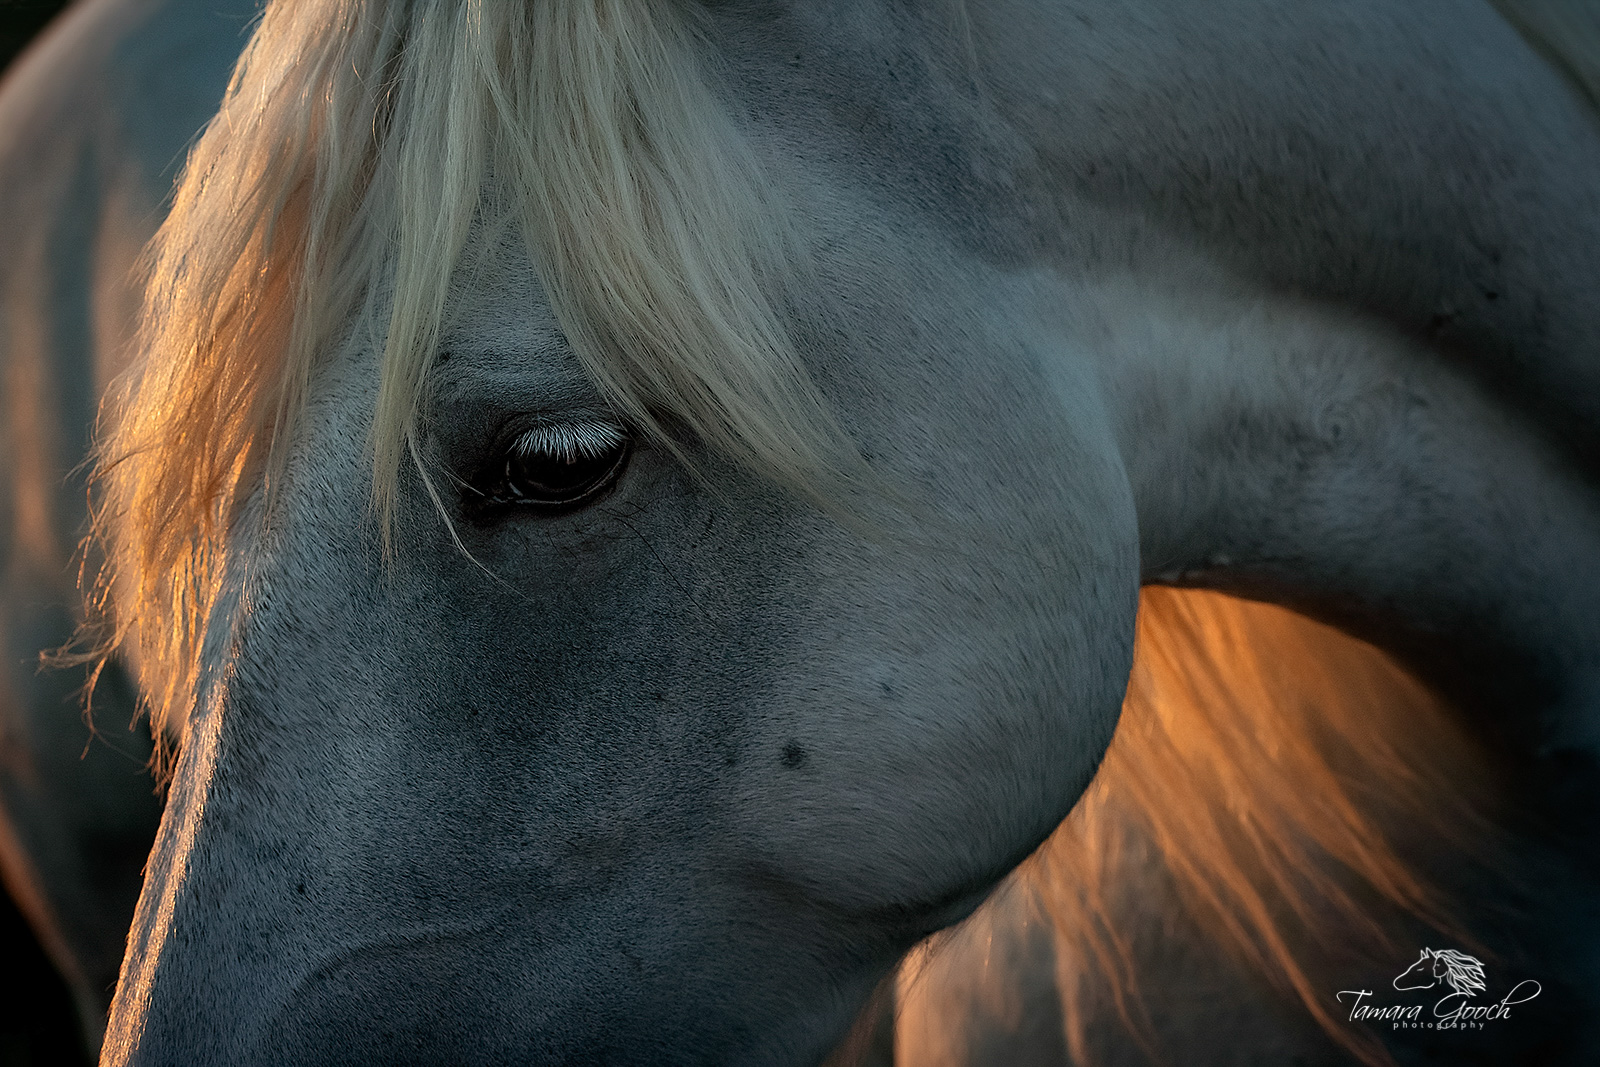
(1293, 303)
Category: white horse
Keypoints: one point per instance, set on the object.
(633, 514)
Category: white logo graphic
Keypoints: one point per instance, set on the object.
(1461, 972)
(1459, 976)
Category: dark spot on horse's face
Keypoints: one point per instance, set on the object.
(300, 887)
(794, 755)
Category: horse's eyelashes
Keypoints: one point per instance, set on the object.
(550, 468)
(570, 440)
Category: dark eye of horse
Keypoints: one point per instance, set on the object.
(553, 467)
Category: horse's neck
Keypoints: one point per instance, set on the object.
(1339, 302)
(1317, 457)
(1419, 163)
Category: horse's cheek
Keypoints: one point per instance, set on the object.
(937, 738)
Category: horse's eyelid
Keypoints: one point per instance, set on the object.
(569, 439)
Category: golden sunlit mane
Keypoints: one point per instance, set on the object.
(350, 157)
(1275, 767)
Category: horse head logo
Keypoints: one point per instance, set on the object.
(1461, 972)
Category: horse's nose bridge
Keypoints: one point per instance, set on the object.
(166, 931)
(227, 922)
(258, 942)
(292, 826)
(231, 885)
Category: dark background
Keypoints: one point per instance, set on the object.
(20, 20)
(37, 1027)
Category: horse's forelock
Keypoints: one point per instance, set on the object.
(319, 185)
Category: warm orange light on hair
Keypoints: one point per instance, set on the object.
(1269, 761)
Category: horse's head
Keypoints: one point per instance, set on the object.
(603, 743)
(1420, 975)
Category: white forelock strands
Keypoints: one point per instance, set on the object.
(357, 143)
(354, 148)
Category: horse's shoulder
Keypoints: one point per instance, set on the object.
(145, 73)
(94, 122)
(105, 104)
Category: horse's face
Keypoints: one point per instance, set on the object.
(1424, 973)
(671, 773)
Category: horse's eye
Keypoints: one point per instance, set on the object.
(552, 467)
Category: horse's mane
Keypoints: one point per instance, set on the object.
(356, 145)
(1277, 769)
(1463, 973)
